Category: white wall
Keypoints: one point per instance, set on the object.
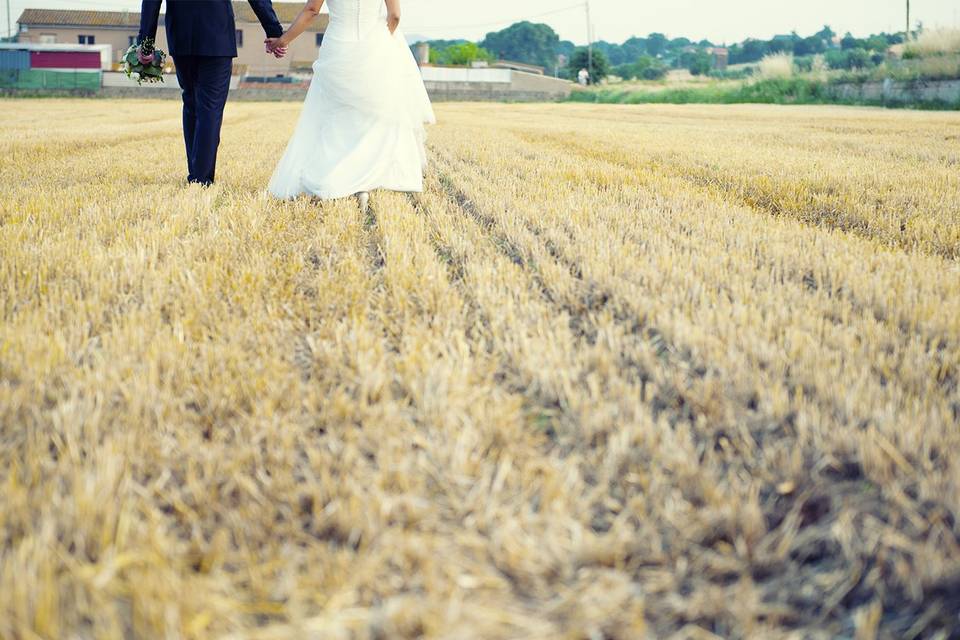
(465, 74)
(106, 55)
(118, 79)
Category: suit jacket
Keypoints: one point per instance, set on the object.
(203, 27)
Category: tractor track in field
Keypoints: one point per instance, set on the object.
(592, 300)
(804, 282)
(807, 281)
(709, 184)
(815, 506)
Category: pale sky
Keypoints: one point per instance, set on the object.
(616, 20)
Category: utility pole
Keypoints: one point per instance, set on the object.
(589, 42)
(907, 36)
(9, 24)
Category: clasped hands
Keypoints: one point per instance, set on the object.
(276, 46)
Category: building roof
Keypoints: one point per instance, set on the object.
(286, 12)
(72, 18)
(41, 46)
(518, 66)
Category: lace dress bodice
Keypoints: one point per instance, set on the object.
(355, 19)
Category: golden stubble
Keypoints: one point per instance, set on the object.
(617, 372)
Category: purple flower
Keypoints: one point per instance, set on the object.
(146, 59)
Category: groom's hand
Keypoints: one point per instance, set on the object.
(276, 47)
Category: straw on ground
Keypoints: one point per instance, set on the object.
(618, 371)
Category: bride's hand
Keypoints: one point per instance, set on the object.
(393, 15)
(276, 46)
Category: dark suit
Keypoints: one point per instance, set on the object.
(202, 37)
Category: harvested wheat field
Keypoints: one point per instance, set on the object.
(620, 372)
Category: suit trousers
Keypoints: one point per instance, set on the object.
(205, 84)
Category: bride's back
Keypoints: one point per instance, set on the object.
(354, 19)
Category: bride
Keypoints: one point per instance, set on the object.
(362, 126)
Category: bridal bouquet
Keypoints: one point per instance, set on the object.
(144, 62)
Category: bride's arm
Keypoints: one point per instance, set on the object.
(310, 11)
(393, 14)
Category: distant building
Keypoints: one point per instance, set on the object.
(119, 29)
(488, 81)
(719, 58)
(423, 53)
(27, 65)
(66, 27)
(518, 66)
(445, 83)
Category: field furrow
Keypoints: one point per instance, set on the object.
(829, 330)
(806, 174)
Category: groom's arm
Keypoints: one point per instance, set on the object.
(149, 19)
(267, 17)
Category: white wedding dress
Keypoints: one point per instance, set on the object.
(362, 126)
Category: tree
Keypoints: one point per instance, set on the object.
(437, 47)
(826, 34)
(645, 68)
(858, 58)
(753, 51)
(634, 48)
(698, 62)
(566, 48)
(809, 46)
(836, 59)
(849, 42)
(599, 70)
(876, 43)
(525, 42)
(780, 44)
(656, 44)
(614, 52)
(461, 54)
(649, 68)
(850, 59)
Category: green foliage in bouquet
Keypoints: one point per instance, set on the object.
(144, 62)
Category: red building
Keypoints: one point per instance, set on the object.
(26, 65)
(65, 59)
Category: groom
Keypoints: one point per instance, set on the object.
(202, 37)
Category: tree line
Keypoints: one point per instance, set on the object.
(652, 56)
